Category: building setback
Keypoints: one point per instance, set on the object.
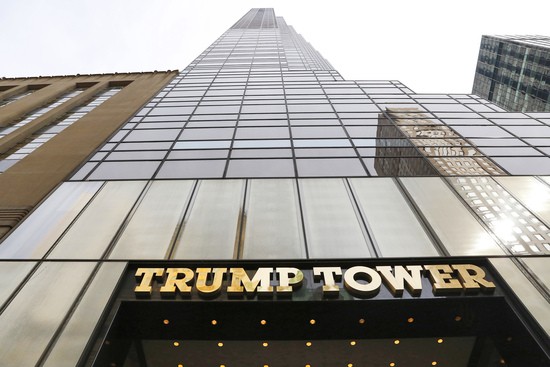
(257, 209)
(514, 72)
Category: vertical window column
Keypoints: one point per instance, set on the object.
(33, 142)
(12, 136)
(17, 96)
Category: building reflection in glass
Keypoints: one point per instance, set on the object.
(430, 149)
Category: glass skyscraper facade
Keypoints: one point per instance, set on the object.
(514, 72)
(261, 210)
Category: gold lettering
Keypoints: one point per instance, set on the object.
(261, 281)
(372, 278)
(286, 282)
(216, 284)
(144, 288)
(442, 279)
(327, 274)
(173, 282)
(472, 277)
(409, 276)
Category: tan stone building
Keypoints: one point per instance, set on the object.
(50, 125)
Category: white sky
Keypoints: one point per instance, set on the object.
(431, 46)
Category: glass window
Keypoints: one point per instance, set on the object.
(83, 171)
(182, 110)
(262, 123)
(194, 154)
(202, 144)
(316, 143)
(497, 142)
(482, 131)
(452, 107)
(152, 135)
(216, 109)
(150, 230)
(535, 195)
(318, 132)
(312, 115)
(133, 170)
(261, 144)
(180, 119)
(262, 132)
(539, 266)
(524, 290)
(206, 134)
(212, 223)
(459, 232)
(261, 153)
(90, 235)
(362, 131)
(212, 168)
(30, 321)
(509, 151)
(136, 155)
(395, 228)
(524, 165)
(261, 168)
(194, 124)
(467, 122)
(516, 122)
(273, 225)
(325, 152)
(332, 227)
(74, 338)
(352, 107)
(142, 146)
(310, 108)
(266, 108)
(314, 122)
(35, 236)
(11, 274)
(530, 131)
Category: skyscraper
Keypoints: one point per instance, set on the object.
(235, 220)
(514, 72)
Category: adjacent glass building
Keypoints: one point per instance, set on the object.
(514, 72)
(260, 210)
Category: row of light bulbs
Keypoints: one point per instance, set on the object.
(410, 320)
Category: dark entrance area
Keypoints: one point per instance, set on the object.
(449, 331)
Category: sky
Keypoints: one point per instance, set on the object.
(430, 46)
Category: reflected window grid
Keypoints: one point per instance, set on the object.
(515, 226)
